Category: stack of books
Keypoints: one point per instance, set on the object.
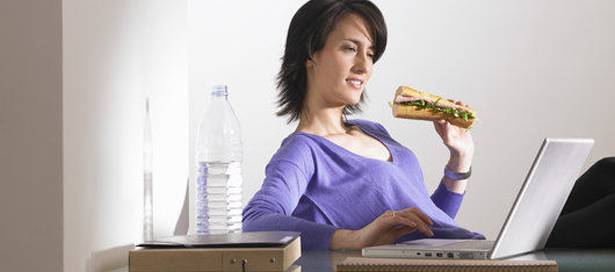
(248, 251)
(353, 264)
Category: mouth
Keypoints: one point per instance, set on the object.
(355, 83)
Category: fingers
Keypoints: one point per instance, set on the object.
(399, 232)
(440, 127)
(440, 124)
(394, 218)
(422, 226)
(421, 215)
(412, 217)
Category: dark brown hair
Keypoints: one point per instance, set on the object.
(307, 34)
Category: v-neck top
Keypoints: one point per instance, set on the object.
(350, 153)
(315, 186)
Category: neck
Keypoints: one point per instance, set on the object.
(319, 116)
(322, 121)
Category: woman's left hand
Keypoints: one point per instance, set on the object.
(459, 142)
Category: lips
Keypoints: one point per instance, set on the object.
(355, 83)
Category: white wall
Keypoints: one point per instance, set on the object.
(238, 43)
(30, 135)
(114, 53)
(532, 69)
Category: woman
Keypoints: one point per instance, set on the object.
(346, 183)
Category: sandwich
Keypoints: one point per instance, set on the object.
(412, 104)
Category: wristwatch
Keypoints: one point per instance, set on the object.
(455, 175)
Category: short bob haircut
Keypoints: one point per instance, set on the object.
(307, 34)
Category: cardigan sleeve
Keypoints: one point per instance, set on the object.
(287, 177)
(447, 201)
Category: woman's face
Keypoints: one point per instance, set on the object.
(338, 73)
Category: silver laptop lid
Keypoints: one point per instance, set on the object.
(542, 196)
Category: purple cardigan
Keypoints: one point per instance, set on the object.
(315, 186)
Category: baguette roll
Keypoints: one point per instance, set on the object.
(434, 109)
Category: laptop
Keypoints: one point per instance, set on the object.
(530, 220)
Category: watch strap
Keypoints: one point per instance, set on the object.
(456, 175)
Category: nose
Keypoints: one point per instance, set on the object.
(362, 64)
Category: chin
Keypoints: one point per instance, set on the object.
(357, 98)
(353, 101)
(350, 97)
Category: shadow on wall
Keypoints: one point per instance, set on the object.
(181, 226)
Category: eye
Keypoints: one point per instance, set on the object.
(350, 48)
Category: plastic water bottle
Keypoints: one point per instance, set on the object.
(218, 159)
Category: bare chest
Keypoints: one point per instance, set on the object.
(363, 145)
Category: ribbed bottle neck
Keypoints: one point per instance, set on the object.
(219, 91)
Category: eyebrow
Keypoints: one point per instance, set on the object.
(357, 42)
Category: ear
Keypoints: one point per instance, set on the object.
(309, 63)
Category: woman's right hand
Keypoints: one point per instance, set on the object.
(385, 229)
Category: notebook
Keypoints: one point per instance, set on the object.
(352, 264)
(233, 240)
(248, 251)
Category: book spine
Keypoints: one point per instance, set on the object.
(390, 268)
